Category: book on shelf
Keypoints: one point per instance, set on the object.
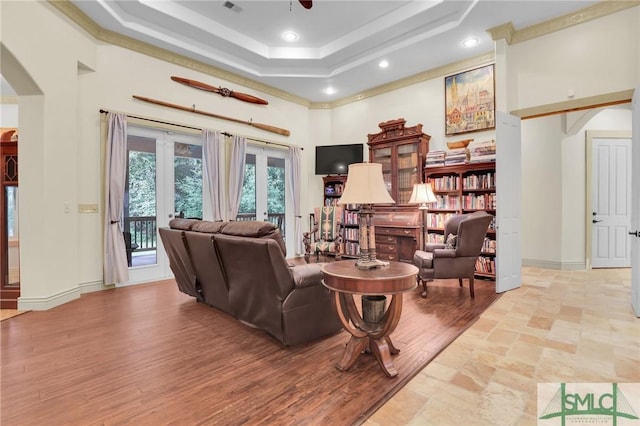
(434, 238)
(486, 265)
(479, 181)
(456, 156)
(489, 245)
(435, 159)
(350, 248)
(482, 151)
(446, 183)
(437, 220)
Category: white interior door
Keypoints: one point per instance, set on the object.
(508, 189)
(611, 203)
(635, 203)
(164, 180)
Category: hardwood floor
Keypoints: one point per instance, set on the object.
(149, 354)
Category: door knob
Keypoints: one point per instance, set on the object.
(596, 221)
(636, 233)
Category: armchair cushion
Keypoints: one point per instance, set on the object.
(423, 259)
(324, 247)
(328, 219)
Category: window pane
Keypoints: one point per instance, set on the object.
(188, 179)
(140, 202)
(276, 187)
(247, 210)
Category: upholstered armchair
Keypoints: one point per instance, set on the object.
(325, 235)
(456, 258)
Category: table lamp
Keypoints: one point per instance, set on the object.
(422, 194)
(365, 186)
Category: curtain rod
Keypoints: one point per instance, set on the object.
(103, 111)
(262, 141)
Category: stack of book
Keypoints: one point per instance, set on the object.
(456, 156)
(482, 151)
(435, 159)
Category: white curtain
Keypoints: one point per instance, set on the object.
(212, 171)
(236, 175)
(115, 256)
(295, 174)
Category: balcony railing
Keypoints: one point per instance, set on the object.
(143, 231)
(276, 218)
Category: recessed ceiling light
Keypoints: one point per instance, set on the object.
(383, 63)
(329, 90)
(470, 42)
(289, 36)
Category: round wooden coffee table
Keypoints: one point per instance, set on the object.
(346, 280)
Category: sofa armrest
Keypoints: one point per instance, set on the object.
(430, 247)
(307, 275)
(444, 253)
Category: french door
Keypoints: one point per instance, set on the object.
(164, 180)
(264, 192)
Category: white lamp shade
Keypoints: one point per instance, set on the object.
(422, 194)
(365, 185)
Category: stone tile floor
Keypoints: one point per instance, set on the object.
(560, 326)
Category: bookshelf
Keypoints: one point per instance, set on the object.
(459, 189)
(333, 187)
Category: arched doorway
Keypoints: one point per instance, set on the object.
(9, 229)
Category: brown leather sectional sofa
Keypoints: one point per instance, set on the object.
(240, 268)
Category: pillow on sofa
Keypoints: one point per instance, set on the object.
(208, 226)
(182, 224)
(451, 241)
(255, 229)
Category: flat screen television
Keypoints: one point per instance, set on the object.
(335, 159)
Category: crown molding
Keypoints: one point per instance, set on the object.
(8, 100)
(607, 7)
(453, 68)
(580, 104)
(76, 15)
(506, 31)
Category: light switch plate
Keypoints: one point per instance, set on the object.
(88, 208)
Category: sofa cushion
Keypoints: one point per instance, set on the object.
(183, 224)
(208, 226)
(255, 229)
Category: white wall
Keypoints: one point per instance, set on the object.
(590, 59)
(74, 76)
(8, 115)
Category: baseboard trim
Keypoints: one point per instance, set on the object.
(546, 264)
(44, 303)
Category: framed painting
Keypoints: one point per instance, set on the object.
(469, 99)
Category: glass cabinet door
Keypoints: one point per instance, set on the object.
(408, 172)
(383, 156)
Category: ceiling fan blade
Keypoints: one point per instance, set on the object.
(306, 3)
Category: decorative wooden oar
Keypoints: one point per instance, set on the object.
(220, 90)
(193, 109)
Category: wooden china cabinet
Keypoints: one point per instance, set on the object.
(402, 152)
